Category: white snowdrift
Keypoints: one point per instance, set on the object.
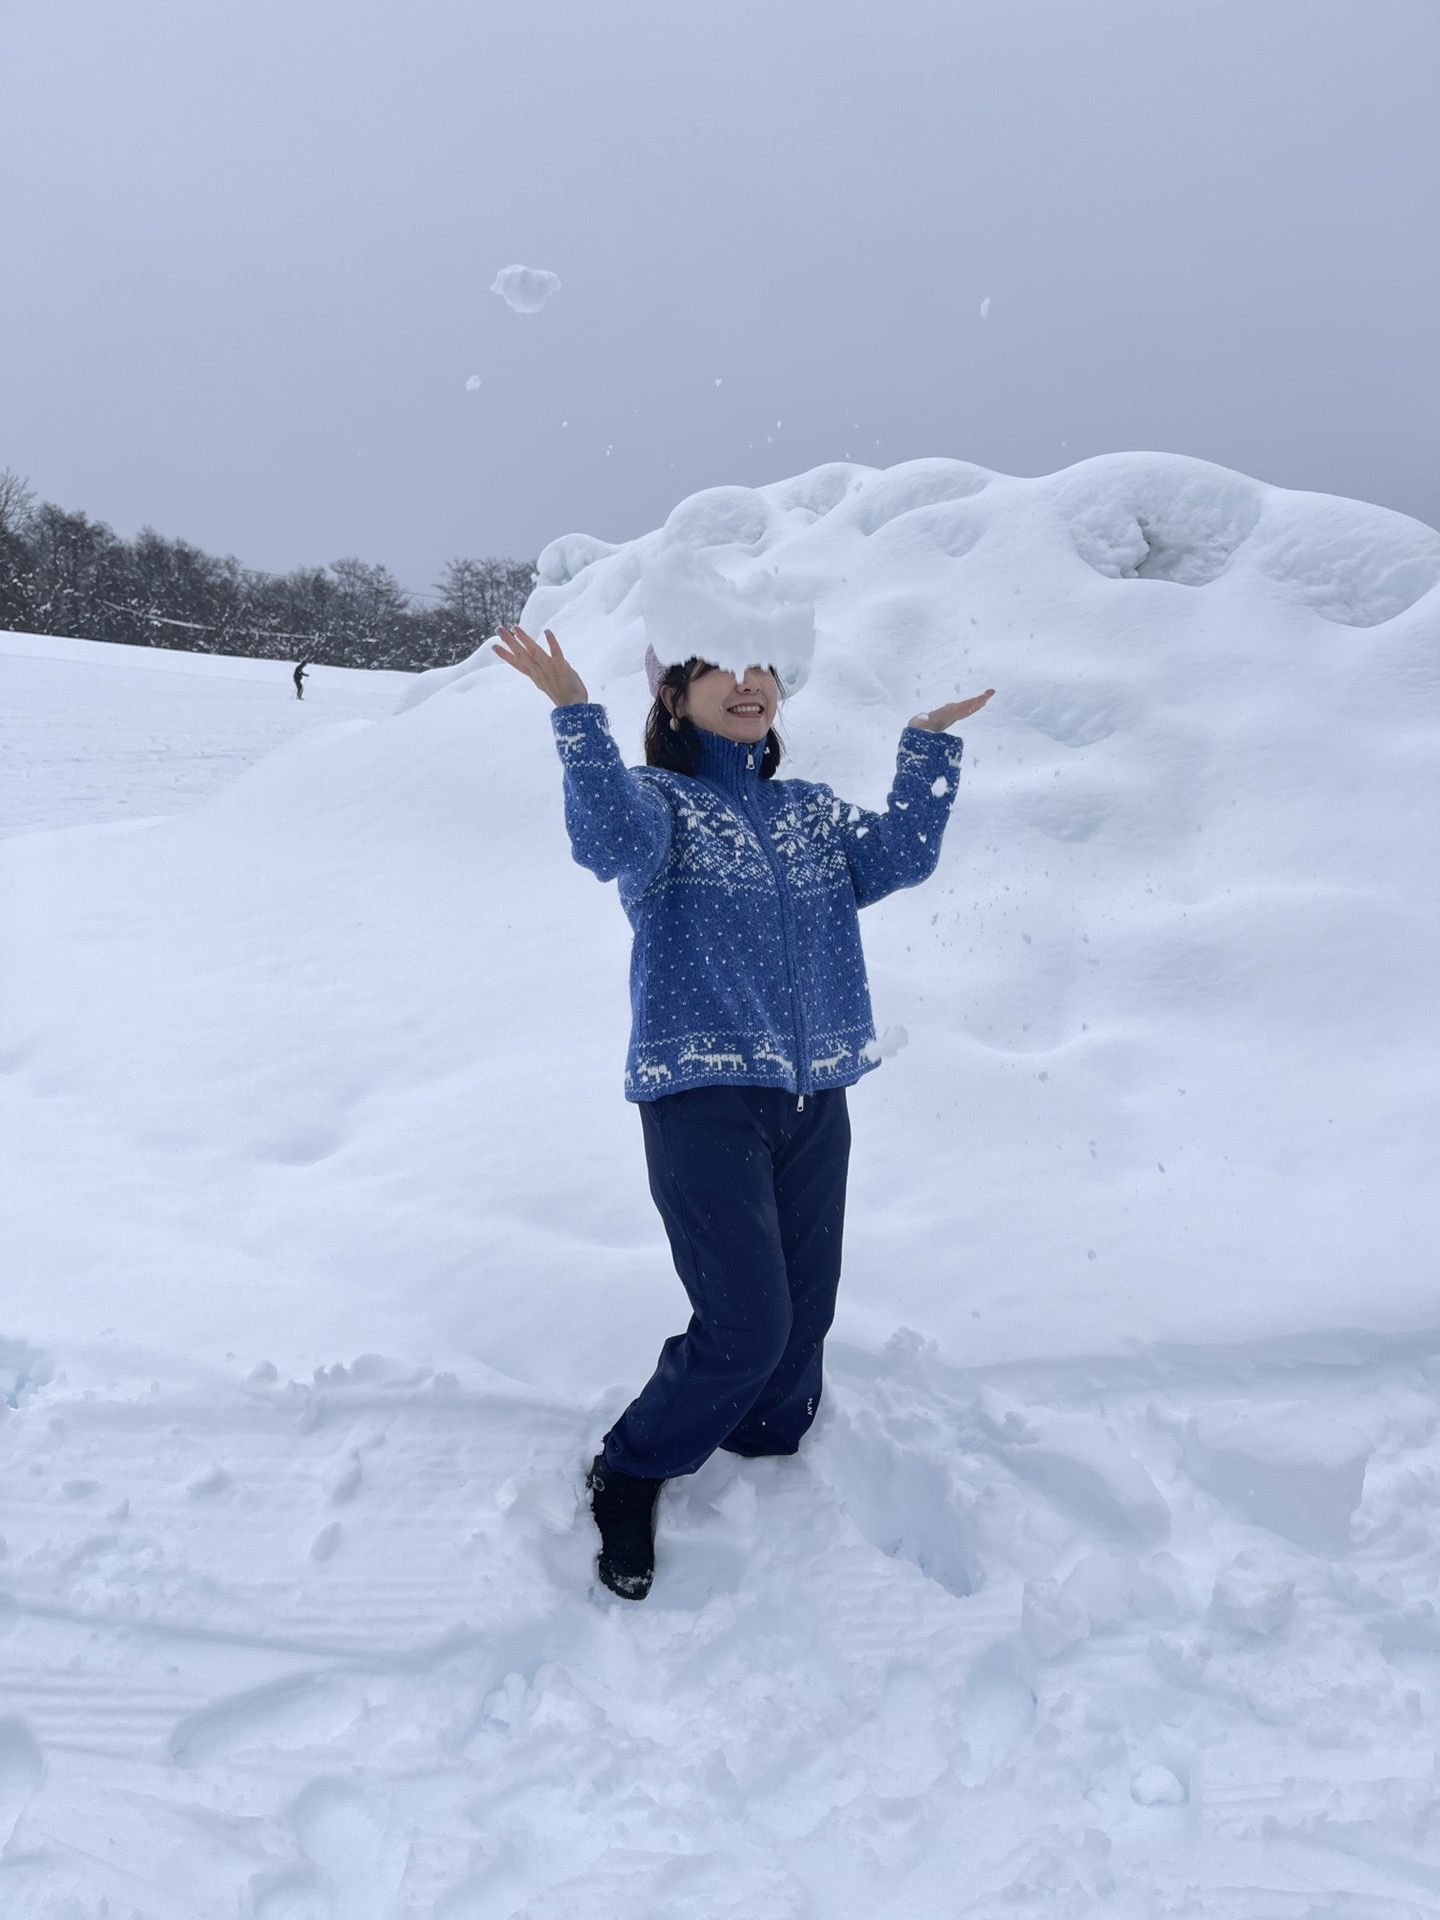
(355, 1026)
(1109, 1587)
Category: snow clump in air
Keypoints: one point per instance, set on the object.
(526, 289)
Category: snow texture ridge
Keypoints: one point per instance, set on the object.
(1108, 1588)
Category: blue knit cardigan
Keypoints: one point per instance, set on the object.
(746, 968)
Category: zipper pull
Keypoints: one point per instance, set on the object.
(750, 761)
(800, 1104)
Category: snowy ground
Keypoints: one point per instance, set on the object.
(1105, 1584)
(92, 732)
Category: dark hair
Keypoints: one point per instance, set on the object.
(677, 747)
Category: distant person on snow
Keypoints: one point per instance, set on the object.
(299, 679)
(751, 1016)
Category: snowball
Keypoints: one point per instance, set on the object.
(526, 289)
(1050, 1620)
(1100, 1584)
(472, 383)
(1253, 1593)
(1157, 1787)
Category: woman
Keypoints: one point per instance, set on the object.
(751, 1016)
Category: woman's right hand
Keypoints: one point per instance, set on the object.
(551, 671)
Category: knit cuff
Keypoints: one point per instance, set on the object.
(580, 730)
(943, 751)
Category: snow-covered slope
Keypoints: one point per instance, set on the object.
(93, 732)
(1118, 1537)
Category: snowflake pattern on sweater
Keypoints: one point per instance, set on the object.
(744, 898)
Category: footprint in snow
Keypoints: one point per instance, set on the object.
(997, 1712)
(21, 1768)
(216, 1481)
(299, 1710)
(293, 1898)
(353, 1845)
(347, 1485)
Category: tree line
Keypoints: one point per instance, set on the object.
(64, 573)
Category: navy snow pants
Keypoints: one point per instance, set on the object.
(751, 1187)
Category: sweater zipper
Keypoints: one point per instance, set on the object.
(803, 1082)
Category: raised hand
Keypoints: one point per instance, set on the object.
(939, 718)
(551, 671)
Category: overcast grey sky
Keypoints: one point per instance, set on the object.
(247, 246)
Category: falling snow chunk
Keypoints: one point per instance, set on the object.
(886, 1045)
(985, 308)
(526, 289)
(472, 383)
(691, 605)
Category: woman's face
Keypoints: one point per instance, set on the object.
(738, 708)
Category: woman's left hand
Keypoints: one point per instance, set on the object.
(939, 718)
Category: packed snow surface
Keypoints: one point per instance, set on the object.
(526, 289)
(1107, 1580)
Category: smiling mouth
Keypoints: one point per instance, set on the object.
(744, 709)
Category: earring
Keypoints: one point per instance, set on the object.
(674, 724)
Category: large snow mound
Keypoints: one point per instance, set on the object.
(1105, 1583)
(1171, 994)
(355, 1025)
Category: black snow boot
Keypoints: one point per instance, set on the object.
(624, 1510)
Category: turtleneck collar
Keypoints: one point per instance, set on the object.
(723, 761)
